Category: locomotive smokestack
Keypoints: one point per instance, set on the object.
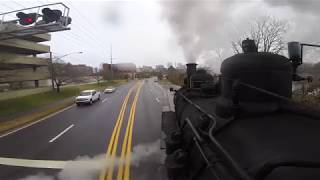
(191, 69)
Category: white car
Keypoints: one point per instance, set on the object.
(109, 90)
(88, 97)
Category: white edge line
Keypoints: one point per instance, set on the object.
(158, 100)
(35, 122)
(60, 134)
(49, 164)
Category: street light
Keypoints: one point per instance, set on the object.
(60, 57)
(52, 69)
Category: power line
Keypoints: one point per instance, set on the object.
(42, 2)
(82, 16)
(87, 34)
(74, 38)
(18, 4)
(85, 29)
(87, 21)
(5, 5)
(79, 42)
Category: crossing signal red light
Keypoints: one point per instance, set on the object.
(26, 19)
(49, 15)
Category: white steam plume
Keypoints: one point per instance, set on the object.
(197, 24)
(86, 168)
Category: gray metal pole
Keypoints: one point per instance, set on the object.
(52, 74)
(111, 68)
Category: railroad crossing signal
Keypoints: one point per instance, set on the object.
(27, 19)
(50, 15)
(38, 20)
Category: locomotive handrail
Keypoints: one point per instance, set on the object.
(205, 158)
(269, 167)
(240, 173)
(198, 139)
(258, 89)
(226, 157)
(199, 108)
(289, 104)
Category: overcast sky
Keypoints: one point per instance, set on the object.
(150, 32)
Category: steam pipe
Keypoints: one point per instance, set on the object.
(236, 169)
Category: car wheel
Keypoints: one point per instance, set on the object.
(78, 104)
(99, 98)
(90, 101)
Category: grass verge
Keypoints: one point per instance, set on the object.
(14, 106)
(20, 121)
(30, 102)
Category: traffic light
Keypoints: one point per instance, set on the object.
(26, 19)
(50, 15)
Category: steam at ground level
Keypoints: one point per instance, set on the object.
(89, 168)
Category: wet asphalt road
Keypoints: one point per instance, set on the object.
(86, 132)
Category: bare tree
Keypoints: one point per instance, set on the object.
(219, 53)
(236, 46)
(60, 73)
(97, 74)
(267, 32)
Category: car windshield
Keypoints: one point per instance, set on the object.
(85, 93)
(159, 89)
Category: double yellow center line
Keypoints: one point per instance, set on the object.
(125, 157)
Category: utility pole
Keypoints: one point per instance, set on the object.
(52, 73)
(111, 68)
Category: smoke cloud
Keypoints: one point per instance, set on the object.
(198, 25)
(205, 29)
(306, 6)
(89, 168)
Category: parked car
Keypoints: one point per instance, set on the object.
(109, 89)
(88, 97)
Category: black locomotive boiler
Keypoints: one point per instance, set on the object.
(244, 126)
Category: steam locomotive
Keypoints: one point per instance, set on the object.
(245, 126)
